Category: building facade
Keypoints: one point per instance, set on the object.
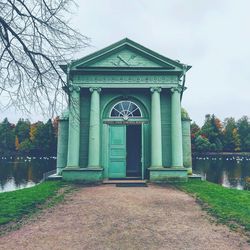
(124, 118)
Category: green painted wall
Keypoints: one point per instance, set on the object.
(84, 126)
(166, 127)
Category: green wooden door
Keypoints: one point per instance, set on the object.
(117, 151)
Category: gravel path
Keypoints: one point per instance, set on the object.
(108, 217)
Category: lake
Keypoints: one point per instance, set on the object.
(228, 171)
(21, 172)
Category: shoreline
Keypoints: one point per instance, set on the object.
(221, 153)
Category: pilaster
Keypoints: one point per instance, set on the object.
(74, 127)
(62, 142)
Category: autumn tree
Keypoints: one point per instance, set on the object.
(212, 130)
(195, 129)
(35, 36)
(22, 130)
(17, 145)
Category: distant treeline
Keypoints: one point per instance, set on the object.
(40, 139)
(217, 136)
(26, 138)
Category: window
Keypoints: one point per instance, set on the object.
(125, 110)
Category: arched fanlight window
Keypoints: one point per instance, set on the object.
(125, 110)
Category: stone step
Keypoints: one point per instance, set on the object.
(124, 181)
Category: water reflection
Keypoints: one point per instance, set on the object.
(227, 171)
(21, 172)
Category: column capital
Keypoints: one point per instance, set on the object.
(74, 88)
(95, 89)
(176, 89)
(153, 89)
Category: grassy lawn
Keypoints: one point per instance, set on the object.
(230, 206)
(16, 204)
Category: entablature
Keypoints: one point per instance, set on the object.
(131, 80)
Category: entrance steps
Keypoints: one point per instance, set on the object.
(124, 181)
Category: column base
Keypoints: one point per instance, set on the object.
(86, 175)
(164, 175)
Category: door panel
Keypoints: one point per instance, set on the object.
(117, 151)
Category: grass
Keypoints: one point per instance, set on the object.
(229, 206)
(16, 204)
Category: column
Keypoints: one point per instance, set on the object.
(176, 130)
(74, 127)
(94, 129)
(156, 139)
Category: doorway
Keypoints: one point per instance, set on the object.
(133, 148)
(125, 151)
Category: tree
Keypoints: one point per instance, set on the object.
(212, 130)
(37, 137)
(195, 129)
(35, 36)
(22, 130)
(17, 144)
(7, 136)
(243, 127)
(25, 147)
(49, 138)
(231, 138)
(202, 144)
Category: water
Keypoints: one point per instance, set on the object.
(22, 172)
(228, 171)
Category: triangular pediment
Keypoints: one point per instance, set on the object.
(126, 54)
(127, 57)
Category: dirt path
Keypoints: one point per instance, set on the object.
(108, 217)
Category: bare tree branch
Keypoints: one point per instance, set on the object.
(35, 37)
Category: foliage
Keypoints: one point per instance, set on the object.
(37, 139)
(22, 130)
(202, 144)
(230, 206)
(215, 136)
(231, 137)
(195, 129)
(184, 114)
(7, 136)
(15, 204)
(25, 146)
(243, 126)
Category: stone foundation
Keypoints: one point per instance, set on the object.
(168, 174)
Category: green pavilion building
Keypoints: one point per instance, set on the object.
(124, 118)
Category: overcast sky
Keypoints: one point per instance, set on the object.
(212, 36)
